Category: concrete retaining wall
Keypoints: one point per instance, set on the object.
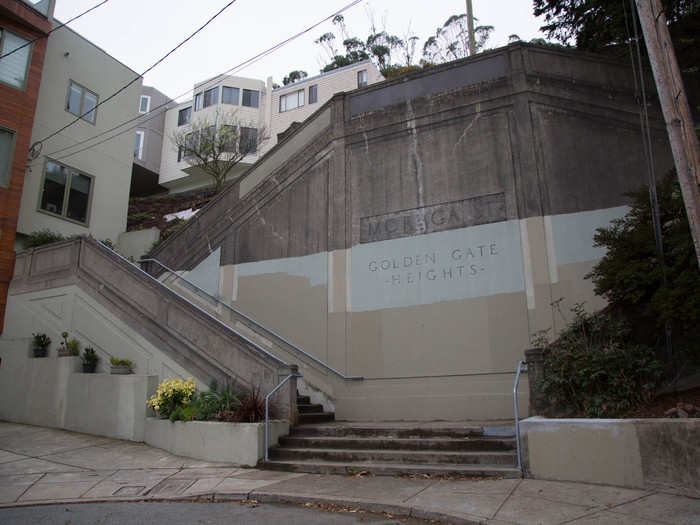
(238, 443)
(54, 394)
(639, 453)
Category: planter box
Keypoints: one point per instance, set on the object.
(238, 443)
(636, 453)
(119, 370)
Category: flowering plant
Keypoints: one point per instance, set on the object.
(171, 395)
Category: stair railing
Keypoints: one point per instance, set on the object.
(199, 309)
(522, 367)
(267, 331)
(294, 373)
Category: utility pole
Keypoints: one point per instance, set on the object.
(470, 25)
(676, 110)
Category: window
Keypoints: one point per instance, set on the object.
(362, 78)
(211, 97)
(66, 192)
(145, 104)
(229, 95)
(291, 101)
(7, 146)
(251, 98)
(138, 147)
(227, 137)
(13, 68)
(248, 143)
(81, 102)
(313, 94)
(198, 102)
(191, 143)
(184, 116)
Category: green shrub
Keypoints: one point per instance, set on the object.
(41, 237)
(115, 361)
(594, 369)
(631, 277)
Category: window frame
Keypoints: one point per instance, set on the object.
(240, 136)
(299, 93)
(27, 66)
(66, 194)
(256, 91)
(148, 104)
(188, 120)
(215, 97)
(363, 83)
(198, 101)
(82, 101)
(233, 89)
(11, 158)
(315, 92)
(142, 141)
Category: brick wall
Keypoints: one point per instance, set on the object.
(17, 114)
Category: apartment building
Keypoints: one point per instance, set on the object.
(23, 29)
(75, 184)
(261, 110)
(148, 143)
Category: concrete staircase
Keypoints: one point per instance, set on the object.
(321, 445)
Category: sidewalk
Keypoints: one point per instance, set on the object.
(40, 465)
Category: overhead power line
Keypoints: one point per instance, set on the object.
(54, 29)
(125, 86)
(155, 111)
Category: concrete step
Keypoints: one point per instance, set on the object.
(307, 408)
(388, 431)
(390, 469)
(317, 417)
(381, 443)
(303, 400)
(350, 457)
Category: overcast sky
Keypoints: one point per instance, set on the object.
(138, 32)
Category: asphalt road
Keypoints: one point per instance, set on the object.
(177, 513)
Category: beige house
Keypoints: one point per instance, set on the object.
(259, 106)
(71, 186)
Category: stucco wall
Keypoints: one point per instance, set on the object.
(70, 57)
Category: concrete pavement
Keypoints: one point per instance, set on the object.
(40, 465)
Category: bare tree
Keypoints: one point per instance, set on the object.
(217, 147)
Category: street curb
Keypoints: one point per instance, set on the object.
(269, 497)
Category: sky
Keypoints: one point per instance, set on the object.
(139, 32)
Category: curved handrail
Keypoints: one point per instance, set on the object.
(253, 321)
(522, 367)
(204, 312)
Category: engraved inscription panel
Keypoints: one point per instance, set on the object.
(440, 217)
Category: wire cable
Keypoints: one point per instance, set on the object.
(52, 30)
(203, 86)
(124, 87)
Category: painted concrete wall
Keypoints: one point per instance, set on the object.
(420, 230)
(238, 443)
(639, 453)
(71, 57)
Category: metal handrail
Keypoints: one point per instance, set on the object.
(267, 410)
(522, 366)
(204, 312)
(253, 321)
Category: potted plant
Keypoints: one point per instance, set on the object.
(40, 344)
(68, 347)
(90, 359)
(120, 366)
